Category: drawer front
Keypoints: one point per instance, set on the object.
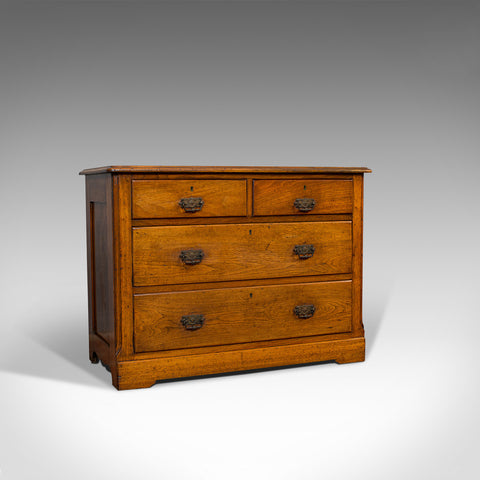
(166, 321)
(188, 198)
(292, 197)
(205, 253)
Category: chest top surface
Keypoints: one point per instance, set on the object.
(220, 169)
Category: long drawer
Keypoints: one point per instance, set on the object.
(166, 321)
(167, 255)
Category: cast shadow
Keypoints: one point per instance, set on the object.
(374, 311)
(57, 349)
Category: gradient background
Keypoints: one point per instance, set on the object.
(394, 86)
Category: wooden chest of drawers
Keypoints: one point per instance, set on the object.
(203, 270)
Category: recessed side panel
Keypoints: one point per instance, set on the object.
(100, 257)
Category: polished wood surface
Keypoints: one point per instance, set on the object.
(277, 197)
(144, 373)
(219, 169)
(139, 286)
(236, 252)
(244, 314)
(153, 222)
(100, 263)
(182, 287)
(161, 198)
(123, 271)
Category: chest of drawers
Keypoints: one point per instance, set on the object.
(203, 270)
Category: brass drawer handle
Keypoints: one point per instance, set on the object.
(304, 204)
(304, 251)
(193, 322)
(191, 204)
(304, 311)
(191, 257)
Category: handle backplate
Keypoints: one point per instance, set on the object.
(304, 311)
(193, 322)
(304, 251)
(192, 256)
(191, 204)
(304, 204)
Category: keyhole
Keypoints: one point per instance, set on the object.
(304, 187)
(191, 189)
(251, 295)
(250, 232)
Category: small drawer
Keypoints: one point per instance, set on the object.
(188, 198)
(169, 255)
(302, 197)
(165, 321)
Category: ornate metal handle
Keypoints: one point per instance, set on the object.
(191, 257)
(191, 204)
(304, 311)
(193, 322)
(304, 204)
(304, 251)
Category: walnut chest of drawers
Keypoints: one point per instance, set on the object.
(204, 270)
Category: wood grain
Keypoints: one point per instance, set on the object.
(241, 283)
(277, 197)
(236, 346)
(219, 169)
(153, 222)
(244, 314)
(357, 260)
(144, 373)
(134, 267)
(100, 264)
(123, 267)
(235, 252)
(160, 198)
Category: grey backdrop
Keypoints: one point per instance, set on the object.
(391, 85)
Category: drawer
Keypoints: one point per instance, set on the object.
(166, 321)
(187, 198)
(292, 197)
(209, 253)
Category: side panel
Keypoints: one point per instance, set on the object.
(357, 260)
(100, 265)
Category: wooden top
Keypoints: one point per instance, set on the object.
(219, 169)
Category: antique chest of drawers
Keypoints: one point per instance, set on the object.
(203, 270)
